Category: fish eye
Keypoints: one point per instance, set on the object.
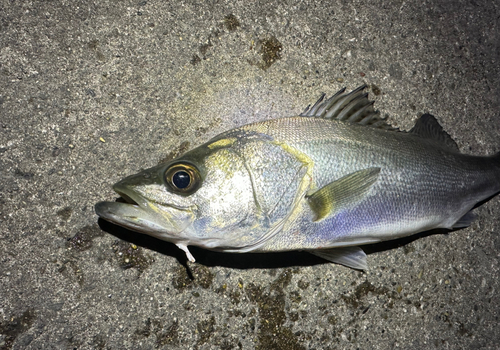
(183, 178)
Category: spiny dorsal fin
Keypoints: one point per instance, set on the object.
(353, 108)
(429, 128)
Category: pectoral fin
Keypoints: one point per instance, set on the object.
(353, 257)
(342, 193)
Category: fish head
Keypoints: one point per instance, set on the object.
(231, 194)
(203, 198)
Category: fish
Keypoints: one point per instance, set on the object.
(327, 181)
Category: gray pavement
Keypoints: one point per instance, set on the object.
(91, 92)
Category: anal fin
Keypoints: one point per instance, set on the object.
(353, 257)
(465, 220)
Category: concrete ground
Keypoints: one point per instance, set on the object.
(92, 91)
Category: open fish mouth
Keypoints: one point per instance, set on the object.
(133, 213)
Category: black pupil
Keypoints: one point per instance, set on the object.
(181, 179)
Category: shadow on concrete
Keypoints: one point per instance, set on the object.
(245, 260)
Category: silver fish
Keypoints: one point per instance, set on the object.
(327, 181)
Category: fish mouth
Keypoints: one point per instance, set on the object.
(133, 212)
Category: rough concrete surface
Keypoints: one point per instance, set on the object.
(91, 92)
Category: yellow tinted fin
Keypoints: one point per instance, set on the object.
(342, 193)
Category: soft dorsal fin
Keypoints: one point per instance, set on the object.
(353, 108)
(342, 193)
(429, 128)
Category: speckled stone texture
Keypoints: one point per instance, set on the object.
(91, 92)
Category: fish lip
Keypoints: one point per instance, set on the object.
(133, 198)
(126, 213)
(129, 196)
(132, 217)
(135, 213)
